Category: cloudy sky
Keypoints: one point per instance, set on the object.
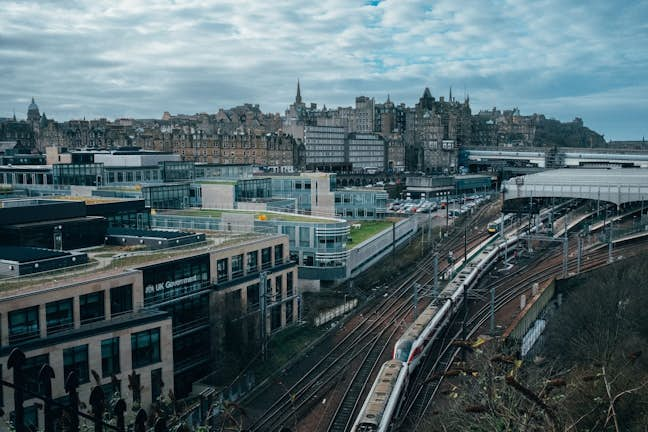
(120, 58)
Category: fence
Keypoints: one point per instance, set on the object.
(335, 312)
(68, 417)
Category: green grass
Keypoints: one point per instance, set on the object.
(367, 230)
(285, 346)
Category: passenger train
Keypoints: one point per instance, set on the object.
(384, 398)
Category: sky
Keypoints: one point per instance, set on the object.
(119, 58)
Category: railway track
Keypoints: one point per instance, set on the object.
(425, 386)
(363, 347)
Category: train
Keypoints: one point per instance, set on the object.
(383, 400)
(494, 226)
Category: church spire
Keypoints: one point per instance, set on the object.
(450, 97)
(298, 99)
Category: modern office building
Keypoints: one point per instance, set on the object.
(160, 321)
(366, 152)
(324, 145)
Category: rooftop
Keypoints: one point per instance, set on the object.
(258, 215)
(27, 254)
(106, 261)
(148, 233)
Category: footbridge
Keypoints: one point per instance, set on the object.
(618, 186)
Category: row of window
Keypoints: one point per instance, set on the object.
(251, 263)
(273, 295)
(145, 351)
(24, 324)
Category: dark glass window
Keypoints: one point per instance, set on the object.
(190, 312)
(266, 258)
(279, 287)
(24, 325)
(278, 254)
(289, 312)
(252, 262)
(134, 379)
(145, 347)
(121, 300)
(31, 417)
(253, 297)
(110, 357)
(92, 307)
(31, 368)
(76, 359)
(275, 318)
(59, 316)
(156, 383)
(164, 282)
(221, 270)
(289, 284)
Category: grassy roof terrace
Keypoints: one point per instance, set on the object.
(257, 214)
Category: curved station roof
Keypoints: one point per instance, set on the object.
(618, 186)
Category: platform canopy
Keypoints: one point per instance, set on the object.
(618, 186)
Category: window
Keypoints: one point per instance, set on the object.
(156, 383)
(266, 258)
(279, 286)
(24, 325)
(289, 312)
(92, 307)
(275, 318)
(278, 254)
(237, 266)
(136, 386)
(252, 262)
(76, 359)
(59, 316)
(304, 236)
(253, 297)
(110, 357)
(145, 347)
(309, 259)
(289, 284)
(121, 300)
(30, 417)
(30, 370)
(221, 270)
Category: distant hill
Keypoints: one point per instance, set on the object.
(550, 133)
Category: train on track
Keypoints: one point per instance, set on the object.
(495, 226)
(384, 398)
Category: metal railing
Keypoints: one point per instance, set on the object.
(70, 412)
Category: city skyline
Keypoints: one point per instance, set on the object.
(116, 59)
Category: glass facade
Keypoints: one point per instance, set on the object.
(76, 359)
(145, 347)
(78, 174)
(178, 171)
(24, 325)
(59, 316)
(121, 300)
(92, 307)
(168, 196)
(163, 282)
(110, 357)
(246, 190)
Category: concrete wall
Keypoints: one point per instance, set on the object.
(217, 196)
(370, 251)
